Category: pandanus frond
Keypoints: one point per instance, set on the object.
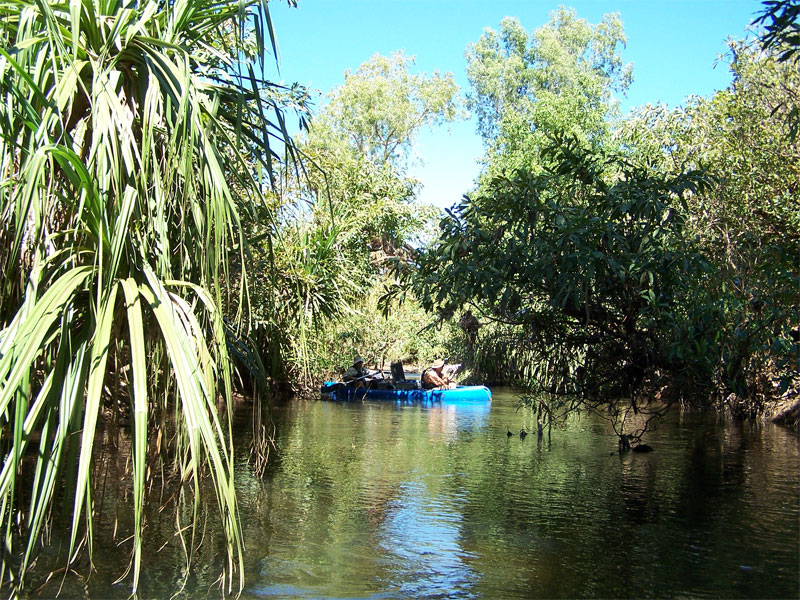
(127, 137)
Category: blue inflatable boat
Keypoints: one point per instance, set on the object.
(463, 394)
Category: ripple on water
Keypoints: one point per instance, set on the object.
(412, 502)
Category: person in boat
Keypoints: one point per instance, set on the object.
(436, 378)
(356, 375)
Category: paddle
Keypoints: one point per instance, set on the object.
(373, 377)
(349, 383)
(366, 389)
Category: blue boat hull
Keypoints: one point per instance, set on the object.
(463, 394)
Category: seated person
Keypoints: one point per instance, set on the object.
(435, 377)
(357, 374)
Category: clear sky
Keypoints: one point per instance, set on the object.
(674, 46)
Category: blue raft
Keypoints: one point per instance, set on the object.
(467, 394)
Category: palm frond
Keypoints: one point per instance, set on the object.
(121, 130)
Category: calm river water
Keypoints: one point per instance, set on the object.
(375, 500)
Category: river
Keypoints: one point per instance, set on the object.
(374, 500)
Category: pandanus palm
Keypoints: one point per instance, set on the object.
(124, 134)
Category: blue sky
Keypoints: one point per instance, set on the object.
(674, 46)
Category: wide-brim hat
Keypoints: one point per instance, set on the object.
(357, 360)
(437, 364)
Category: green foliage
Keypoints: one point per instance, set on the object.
(559, 79)
(320, 264)
(781, 20)
(404, 334)
(747, 220)
(745, 142)
(381, 106)
(123, 157)
(311, 279)
(586, 269)
(781, 27)
(361, 143)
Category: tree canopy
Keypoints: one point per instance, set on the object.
(352, 207)
(586, 269)
(625, 262)
(560, 79)
(362, 141)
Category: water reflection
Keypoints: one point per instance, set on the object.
(444, 504)
(377, 500)
(445, 420)
(420, 540)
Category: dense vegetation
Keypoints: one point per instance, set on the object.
(162, 234)
(652, 260)
(342, 217)
(126, 173)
